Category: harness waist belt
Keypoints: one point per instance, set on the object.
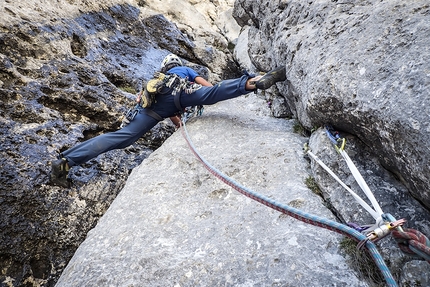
(177, 100)
(152, 114)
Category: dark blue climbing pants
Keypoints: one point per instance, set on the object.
(143, 122)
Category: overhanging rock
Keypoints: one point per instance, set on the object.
(174, 224)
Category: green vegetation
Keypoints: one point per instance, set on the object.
(128, 89)
(231, 46)
(312, 185)
(361, 261)
(298, 128)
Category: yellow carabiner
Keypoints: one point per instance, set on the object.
(342, 146)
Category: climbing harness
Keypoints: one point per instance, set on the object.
(296, 213)
(410, 241)
(162, 84)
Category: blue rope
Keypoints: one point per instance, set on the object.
(299, 214)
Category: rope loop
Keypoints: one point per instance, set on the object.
(413, 242)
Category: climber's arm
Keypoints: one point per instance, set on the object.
(202, 81)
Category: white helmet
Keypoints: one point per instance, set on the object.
(171, 59)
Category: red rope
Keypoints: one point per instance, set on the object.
(412, 238)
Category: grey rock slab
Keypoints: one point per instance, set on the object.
(360, 65)
(175, 224)
(69, 70)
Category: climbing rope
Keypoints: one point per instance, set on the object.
(410, 241)
(296, 213)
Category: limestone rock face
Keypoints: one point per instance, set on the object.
(175, 223)
(69, 70)
(187, 228)
(360, 65)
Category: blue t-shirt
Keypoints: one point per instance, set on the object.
(184, 72)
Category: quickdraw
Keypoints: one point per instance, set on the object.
(410, 241)
(183, 84)
(296, 213)
(129, 116)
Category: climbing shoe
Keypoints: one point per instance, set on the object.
(60, 173)
(270, 78)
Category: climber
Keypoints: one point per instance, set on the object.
(177, 87)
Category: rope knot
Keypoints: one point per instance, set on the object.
(413, 242)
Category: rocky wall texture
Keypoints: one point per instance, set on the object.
(360, 65)
(191, 229)
(68, 72)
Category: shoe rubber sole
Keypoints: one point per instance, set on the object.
(271, 77)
